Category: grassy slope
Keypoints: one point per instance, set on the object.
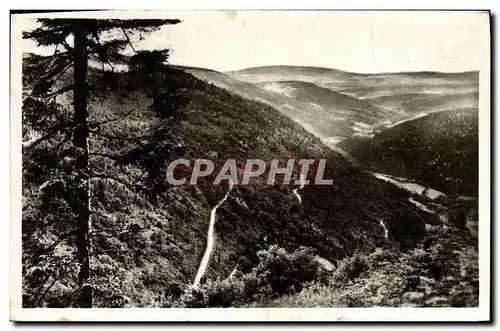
(300, 111)
(329, 112)
(335, 220)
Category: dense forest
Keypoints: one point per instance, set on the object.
(102, 227)
(440, 150)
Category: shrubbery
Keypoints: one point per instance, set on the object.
(441, 271)
(285, 272)
(406, 227)
(278, 272)
(351, 267)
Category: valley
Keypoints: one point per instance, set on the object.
(272, 240)
(345, 117)
(335, 105)
(353, 113)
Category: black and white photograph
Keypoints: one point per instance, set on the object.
(191, 160)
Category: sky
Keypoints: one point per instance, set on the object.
(366, 42)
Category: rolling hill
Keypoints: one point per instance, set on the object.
(412, 105)
(360, 85)
(333, 115)
(439, 149)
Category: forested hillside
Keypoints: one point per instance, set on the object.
(440, 150)
(145, 234)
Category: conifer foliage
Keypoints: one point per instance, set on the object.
(56, 155)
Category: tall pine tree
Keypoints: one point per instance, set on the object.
(91, 44)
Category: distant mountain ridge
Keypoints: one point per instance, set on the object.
(275, 68)
(338, 80)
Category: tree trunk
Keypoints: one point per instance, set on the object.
(81, 203)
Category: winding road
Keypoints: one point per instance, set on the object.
(386, 232)
(210, 240)
(295, 191)
(324, 262)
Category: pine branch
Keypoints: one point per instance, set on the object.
(67, 137)
(69, 65)
(109, 156)
(56, 67)
(117, 251)
(105, 135)
(144, 25)
(97, 124)
(128, 39)
(42, 296)
(52, 132)
(112, 67)
(52, 32)
(68, 47)
(43, 60)
(59, 240)
(62, 90)
(116, 179)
